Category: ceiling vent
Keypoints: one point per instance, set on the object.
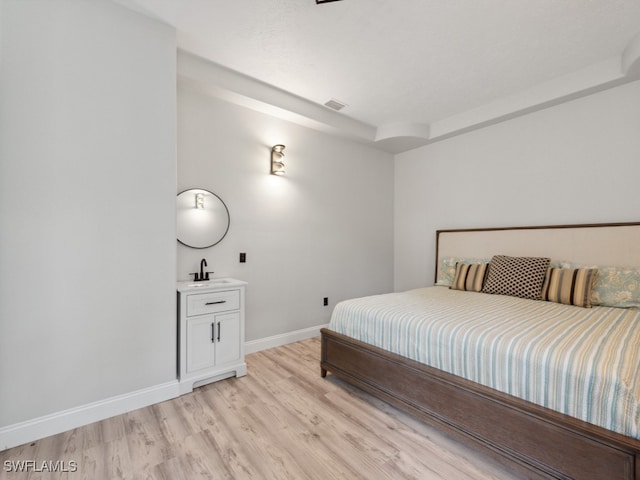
(334, 104)
(320, 2)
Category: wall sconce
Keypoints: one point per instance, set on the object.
(277, 165)
(199, 200)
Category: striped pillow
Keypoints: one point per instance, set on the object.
(469, 277)
(570, 286)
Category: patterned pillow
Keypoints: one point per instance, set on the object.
(614, 286)
(516, 276)
(469, 277)
(447, 268)
(570, 286)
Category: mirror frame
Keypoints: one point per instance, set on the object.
(216, 239)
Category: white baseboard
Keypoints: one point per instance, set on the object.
(282, 339)
(31, 430)
(52, 424)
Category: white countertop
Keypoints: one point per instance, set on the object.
(213, 284)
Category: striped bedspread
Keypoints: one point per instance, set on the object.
(581, 362)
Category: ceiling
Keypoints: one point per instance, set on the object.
(409, 71)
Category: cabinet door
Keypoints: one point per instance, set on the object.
(227, 338)
(201, 342)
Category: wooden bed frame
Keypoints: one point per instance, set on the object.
(532, 441)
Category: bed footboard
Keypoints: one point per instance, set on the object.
(528, 439)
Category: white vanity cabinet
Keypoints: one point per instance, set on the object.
(210, 331)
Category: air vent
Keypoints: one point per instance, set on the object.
(335, 104)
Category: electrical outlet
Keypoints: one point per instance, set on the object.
(326, 301)
(243, 258)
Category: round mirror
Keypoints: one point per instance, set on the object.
(203, 218)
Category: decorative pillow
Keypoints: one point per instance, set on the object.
(570, 286)
(516, 276)
(447, 268)
(614, 286)
(469, 277)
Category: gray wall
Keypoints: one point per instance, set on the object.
(578, 162)
(87, 205)
(325, 229)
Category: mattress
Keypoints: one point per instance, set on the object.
(583, 362)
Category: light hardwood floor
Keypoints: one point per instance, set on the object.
(281, 421)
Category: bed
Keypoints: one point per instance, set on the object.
(462, 361)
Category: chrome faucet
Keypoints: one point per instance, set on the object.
(201, 276)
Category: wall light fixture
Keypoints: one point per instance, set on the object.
(277, 165)
(199, 200)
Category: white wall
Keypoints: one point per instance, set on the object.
(325, 229)
(87, 205)
(578, 162)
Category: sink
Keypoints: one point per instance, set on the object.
(208, 283)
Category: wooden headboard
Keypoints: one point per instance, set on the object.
(593, 244)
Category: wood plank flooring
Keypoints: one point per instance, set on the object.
(281, 421)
